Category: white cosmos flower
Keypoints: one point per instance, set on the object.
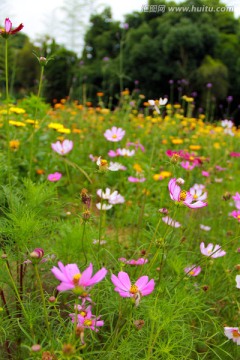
(103, 206)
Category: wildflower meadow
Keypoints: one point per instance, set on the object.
(119, 227)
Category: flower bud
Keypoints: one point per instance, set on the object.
(163, 211)
(36, 347)
(37, 253)
(180, 181)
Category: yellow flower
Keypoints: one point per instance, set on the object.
(55, 126)
(17, 123)
(164, 141)
(195, 147)
(162, 175)
(32, 122)
(177, 106)
(177, 141)
(17, 110)
(217, 146)
(14, 144)
(64, 130)
(137, 168)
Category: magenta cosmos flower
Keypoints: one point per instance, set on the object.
(123, 286)
(8, 29)
(114, 134)
(193, 270)
(236, 214)
(72, 279)
(233, 334)
(182, 196)
(62, 148)
(211, 250)
(54, 177)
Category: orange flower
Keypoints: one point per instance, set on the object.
(14, 144)
(100, 94)
(40, 171)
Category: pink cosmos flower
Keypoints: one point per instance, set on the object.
(236, 199)
(171, 222)
(136, 180)
(8, 29)
(137, 145)
(140, 261)
(193, 270)
(219, 168)
(238, 281)
(182, 196)
(205, 173)
(123, 286)
(187, 165)
(72, 279)
(232, 333)
(197, 192)
(114, 134)
(87, 320)
(62, 148)
(211, 250)
(54, 177)
(204, 227)
(236, 214)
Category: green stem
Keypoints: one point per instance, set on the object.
(35, 115)
(19, 300)
(43, 301)
(7, 117)
(83, 251)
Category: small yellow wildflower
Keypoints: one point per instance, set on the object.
(17, 123)
(195, 147)
(14, 144)
(17, 110)
(177, 141)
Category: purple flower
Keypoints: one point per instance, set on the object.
(209, 85)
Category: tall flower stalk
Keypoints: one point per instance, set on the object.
(6, 33)
(43, 62)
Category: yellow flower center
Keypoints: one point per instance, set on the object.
(114, 136)
(76, 279)
(235, 334)
(183, 195)
(87, 322)
(238, 217)
(134, 289)
(83, 313)
(103, 162)
(195, 197)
